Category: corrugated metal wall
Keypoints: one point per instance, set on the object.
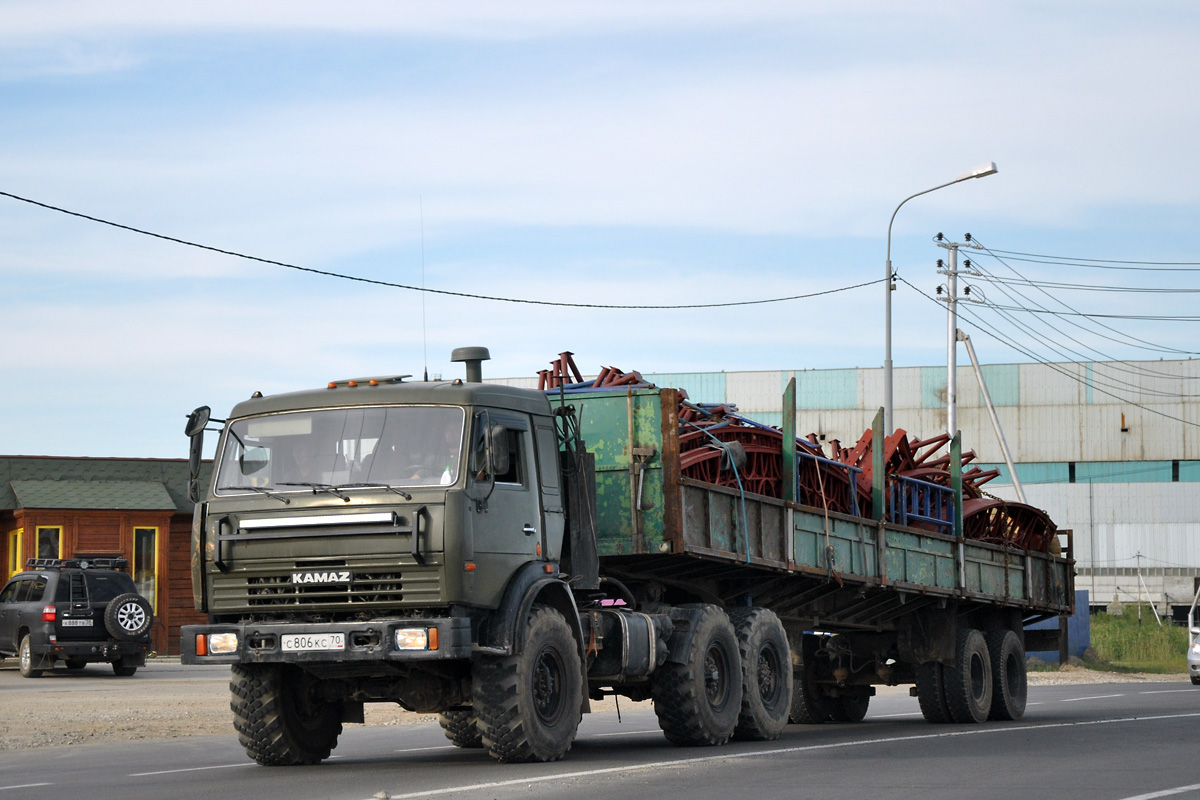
(1136, 467)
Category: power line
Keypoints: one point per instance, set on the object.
(1092, 315)
(1091, 287)
(1102, 263)
(447, 292)
(1141, 343)
(1007, 341)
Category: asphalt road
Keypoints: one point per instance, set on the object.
(1107, 741)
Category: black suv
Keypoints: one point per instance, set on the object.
(78, 610)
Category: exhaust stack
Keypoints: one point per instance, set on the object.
(474, 358)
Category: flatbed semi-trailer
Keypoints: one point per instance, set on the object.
(502, 556)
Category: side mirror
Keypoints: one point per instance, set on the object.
(1195, 631)
(195, 450)
(497, 446)
(197, 421)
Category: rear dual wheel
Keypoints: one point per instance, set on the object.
(766, 674)
(699, 702)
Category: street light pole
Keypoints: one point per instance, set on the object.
(982, 170)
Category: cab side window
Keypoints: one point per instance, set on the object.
(23, 590)
(516, 458)
(9, 594)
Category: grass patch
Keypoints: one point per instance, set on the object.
(1121, 644)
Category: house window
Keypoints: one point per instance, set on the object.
(49, 542)
(14, 551)
(145, 563)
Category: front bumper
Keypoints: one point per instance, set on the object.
(369, 641)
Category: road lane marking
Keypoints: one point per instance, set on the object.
(188, 769)
(1093, 697)
(620, 733)
(24, 786)
(684, 762)
(889, 716)
(1165, 792)
(423, 749)
(1167, 691)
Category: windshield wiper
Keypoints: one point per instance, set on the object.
(390, 488)
(258, 489)
(317, 487)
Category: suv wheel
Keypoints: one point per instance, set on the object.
(128, 617)
(26, 660)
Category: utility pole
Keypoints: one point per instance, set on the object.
(952, 334)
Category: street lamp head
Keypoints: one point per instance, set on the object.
(981, 171)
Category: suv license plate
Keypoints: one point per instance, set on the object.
(305, 642)
(77, 623)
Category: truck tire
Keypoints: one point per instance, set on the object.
(279, 717)
(931, 692)
(698, 702)
(459, 726)
(766, 674)
(1009, 683)
(968, 684)
(849, 707)
(528, 706)
(809, 705)
(128, 617)
(26, 659)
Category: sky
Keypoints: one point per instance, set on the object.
(605, 153)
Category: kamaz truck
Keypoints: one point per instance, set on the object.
(504, 556)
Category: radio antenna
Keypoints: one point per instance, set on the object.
(424, 333)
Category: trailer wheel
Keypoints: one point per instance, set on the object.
(528, 706)
(849, 707)
(931, 692)
(279, 716)
(460, 728)
(698, 702)
(766, 674)
(968, 684)
(809, 705)
(1009, 684)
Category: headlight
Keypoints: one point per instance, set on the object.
(222, 643)
(416, 639)
(1196, 648)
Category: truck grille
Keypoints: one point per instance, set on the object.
(377, 589)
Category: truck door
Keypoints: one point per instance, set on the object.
(512, 524)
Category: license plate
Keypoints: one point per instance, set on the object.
(306, 642)
(77, 623)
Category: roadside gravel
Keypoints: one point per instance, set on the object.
(68, 709)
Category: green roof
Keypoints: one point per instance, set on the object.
(94, 495)
(96, 483)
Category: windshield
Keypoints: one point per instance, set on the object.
(401, 446)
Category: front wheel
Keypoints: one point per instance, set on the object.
(461, 727)
(280, 716)
(698, 702)
(528, 706)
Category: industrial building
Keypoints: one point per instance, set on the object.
(1111, 450)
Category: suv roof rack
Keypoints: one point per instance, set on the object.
(84, 562)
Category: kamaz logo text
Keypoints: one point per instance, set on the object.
(333, 576)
